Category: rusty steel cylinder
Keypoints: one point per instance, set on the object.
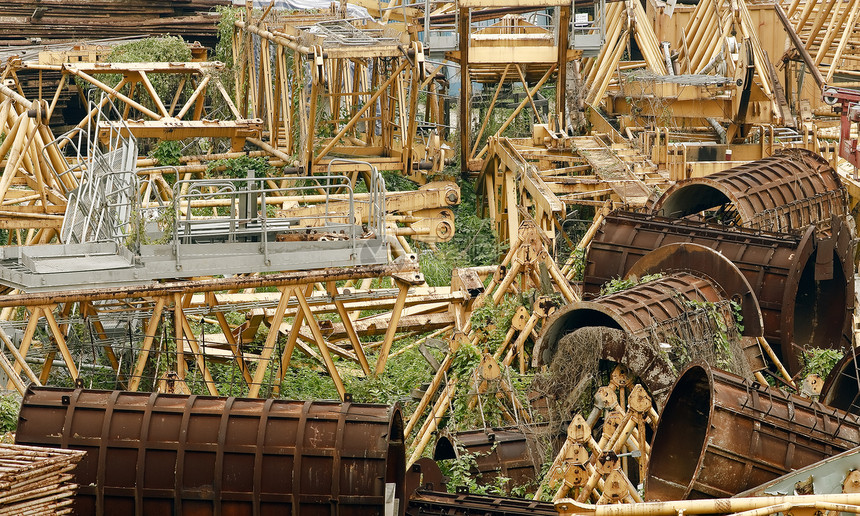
(788, 191)
(515, 453)
(802, 283)
(154, 454)
(719, 435)
(645, 313)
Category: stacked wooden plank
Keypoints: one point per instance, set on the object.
(46, 21)
(36, 481)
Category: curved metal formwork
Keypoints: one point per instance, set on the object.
(802, 282)
(841, 388)
(719, 435)
(515, 453)
(153, 454)
(651, 315)
(788, 191)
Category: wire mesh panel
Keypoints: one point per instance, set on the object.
(100, 208)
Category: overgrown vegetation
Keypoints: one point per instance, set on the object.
(461, 473)
(475, 242)
(10, 404)
(819, 361)
(618, 284)
(158, 49)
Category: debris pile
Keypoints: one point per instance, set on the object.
(27, 22)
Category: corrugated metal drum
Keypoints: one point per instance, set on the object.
(153, 454)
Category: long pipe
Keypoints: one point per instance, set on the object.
(798, 44)
(568, 506)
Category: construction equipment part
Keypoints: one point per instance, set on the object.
(849, 111)
(515, 453)
(436, 503)
(657, 318)
(805, 299)
(157, 303)
(551, 175)
(176, 454)
(338, 86)
(584, 465)
(784, 192)
(719, 435)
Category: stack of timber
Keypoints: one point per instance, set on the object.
(35, 481)
(47, 21)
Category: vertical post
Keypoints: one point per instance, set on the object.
(392, 325)
(562, 40)
(465, 90)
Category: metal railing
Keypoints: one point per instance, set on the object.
(267, 210)
(101, 207)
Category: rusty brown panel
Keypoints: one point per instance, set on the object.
(154, 454)
(798, 309)
(512, 452)
(633, 310)
(719, 435)
(788, 191)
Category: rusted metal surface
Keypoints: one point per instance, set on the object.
(790, 274)
(405, 269)
(513, 452)
(833, 475)
(719, 435)
(436, 503)
(842, 387)
(647, 313)
(424, 474)
(175, 454)
(787, 191)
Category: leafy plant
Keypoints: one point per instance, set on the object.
(618, 284)
(461, 472)
(402, 374)
(819, 361)
(10, 405)
(238, 167)
(474, 243)
(167, 153)
(224, 48)
(159, 49)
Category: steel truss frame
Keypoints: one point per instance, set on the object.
(309, 309)
(339, 87)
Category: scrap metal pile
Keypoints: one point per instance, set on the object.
(642, 362)
(28, 22)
